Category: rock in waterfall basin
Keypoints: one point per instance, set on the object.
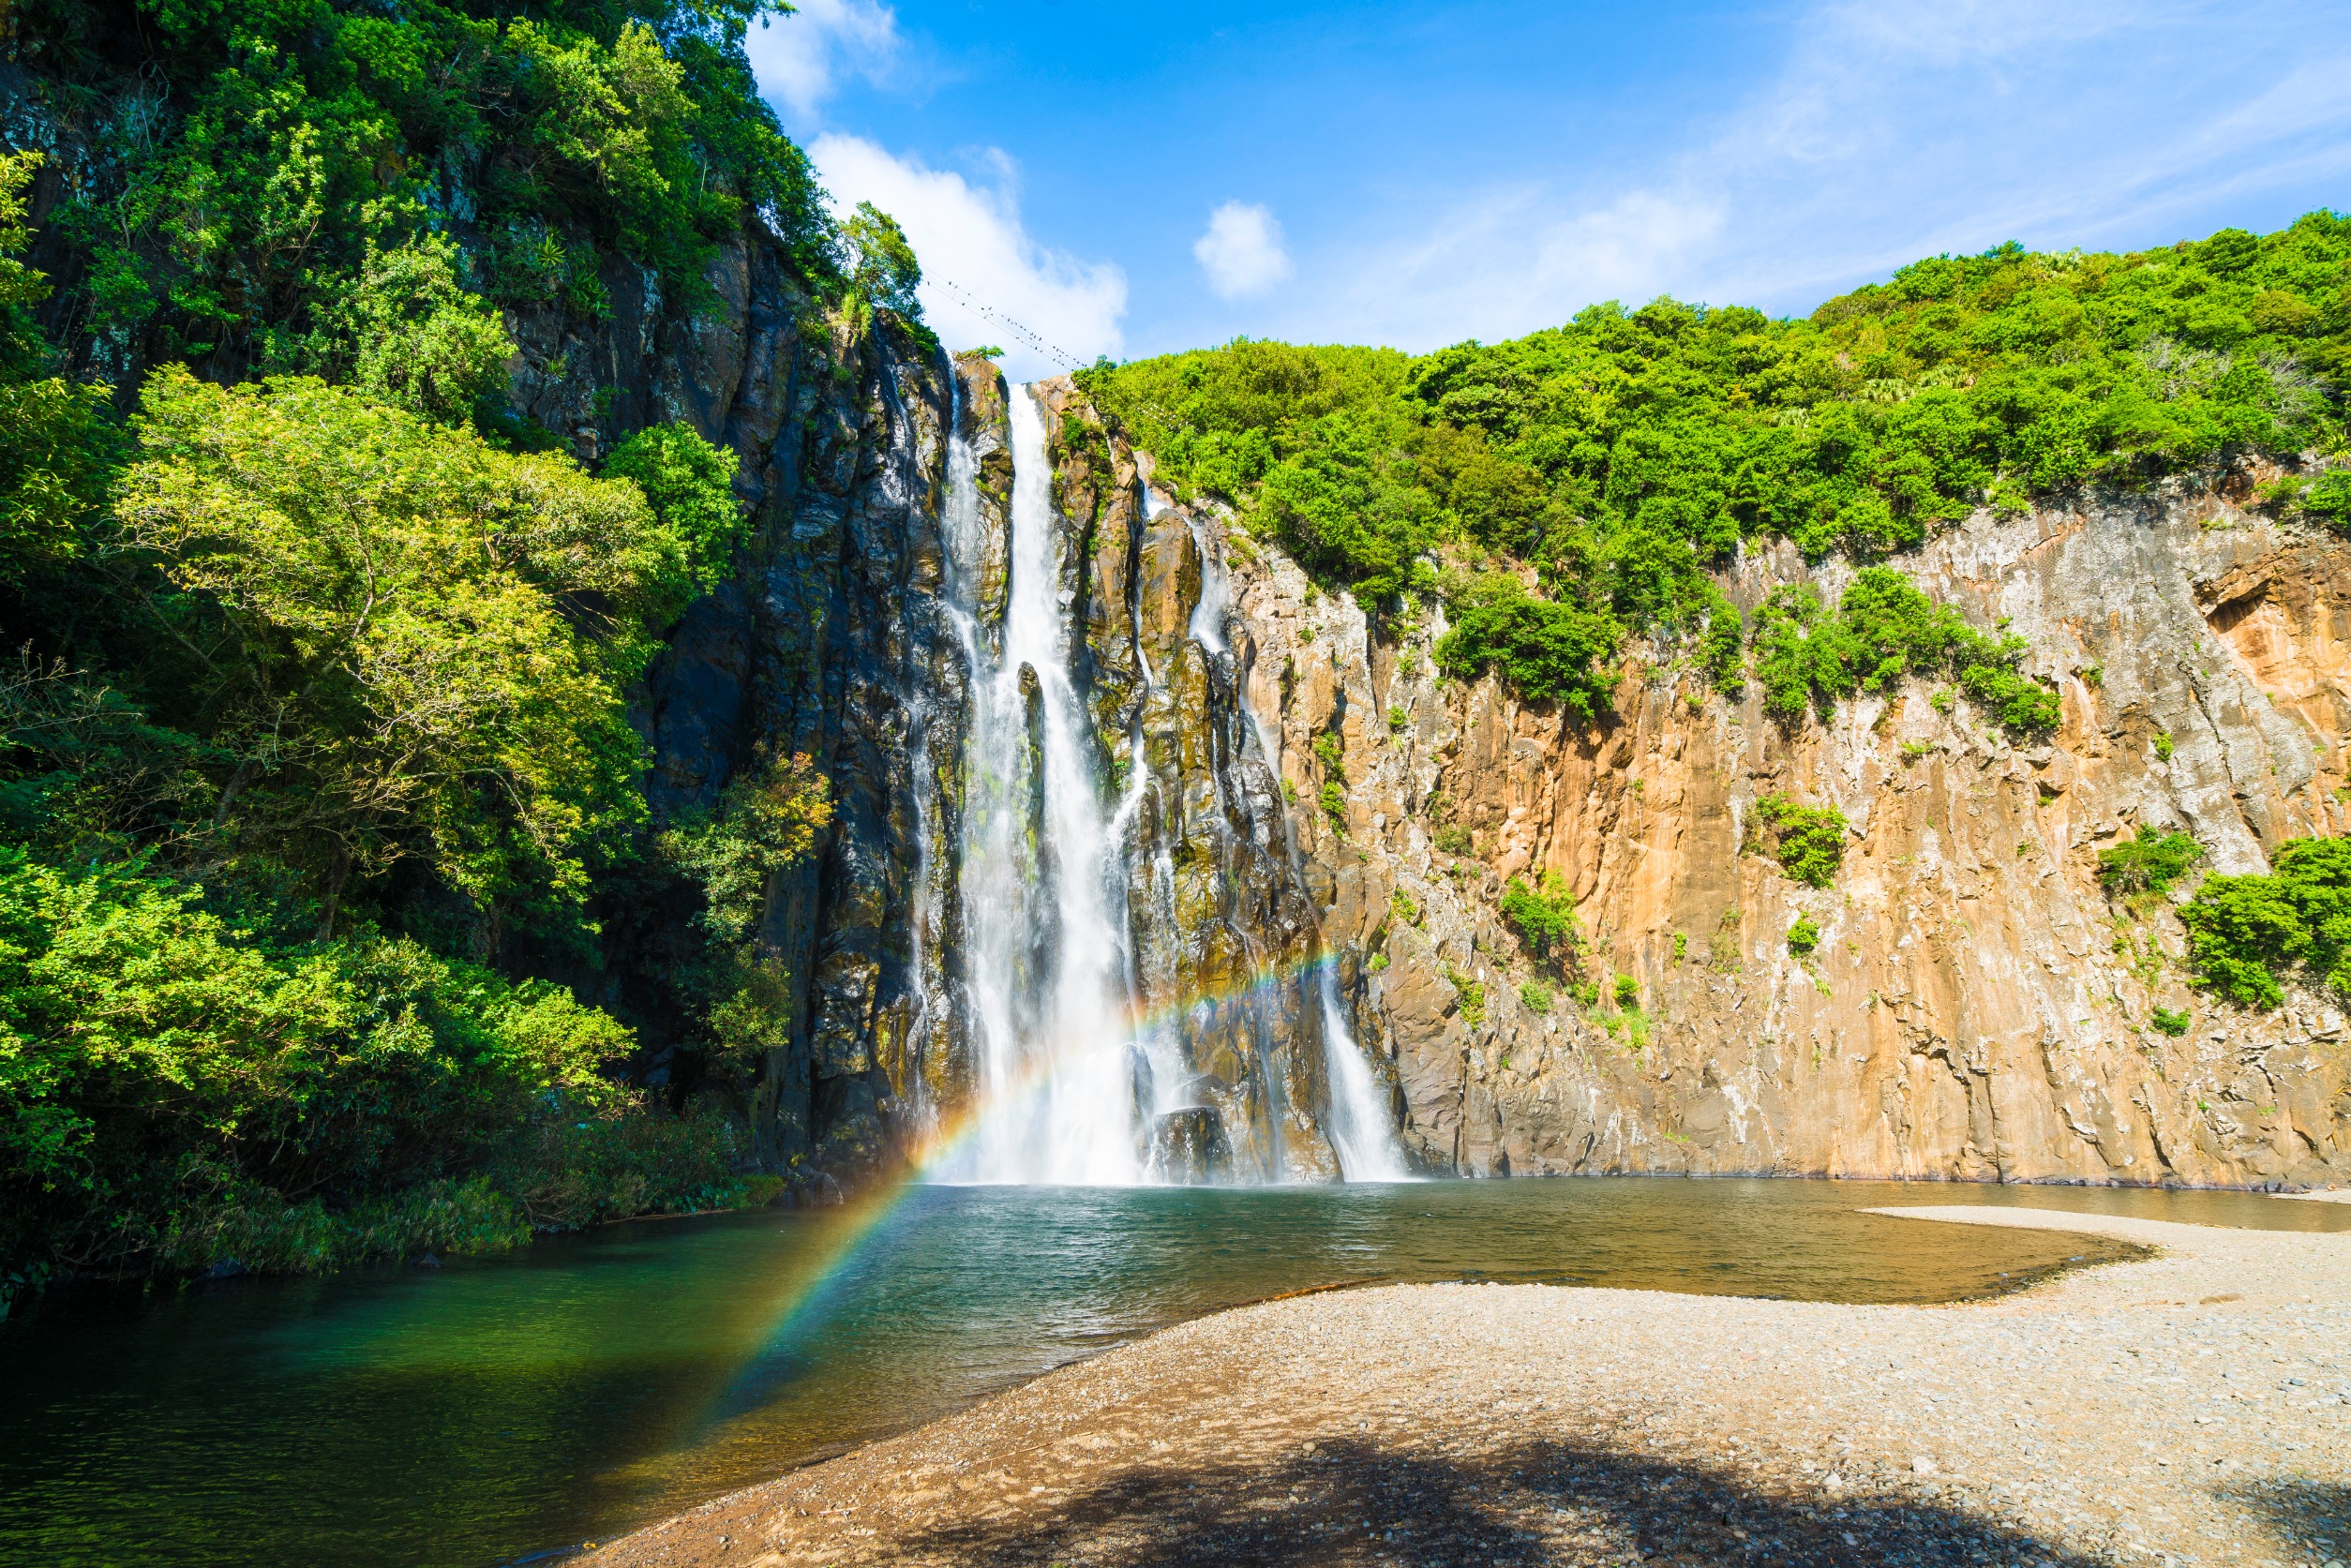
(490, 1411)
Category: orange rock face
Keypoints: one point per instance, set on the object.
(1977, 1007)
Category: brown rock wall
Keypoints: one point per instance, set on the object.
(1978, 1007)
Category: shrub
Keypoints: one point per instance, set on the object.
(2242, 930)
(1883, 631)
(176, 1086)
(1327, 752)
(1535, 996)
(1544, 916)
(1627, 991)
(1681, 945)
(1807, 841)
(1398, 719)
(2151, 862)
(1335, 806)
(2162, 748)
(1454, 839)
(1803, 936)
(1400, 904)
(1543, 649)
(2166, 1022)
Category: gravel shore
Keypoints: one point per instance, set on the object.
(2193, 1408)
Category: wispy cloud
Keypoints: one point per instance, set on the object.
(1241, 250)
(1888, 131)
(799, 60)
(973, 246)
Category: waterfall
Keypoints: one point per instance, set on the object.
(1043, 884)
(1216, 591)
(1071, 1087)
(1362, 1131)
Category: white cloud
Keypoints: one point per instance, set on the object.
(802, 57)
(977, 258)
(1505, 260)
(1241, 250)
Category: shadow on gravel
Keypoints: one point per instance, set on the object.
(1537, 1504)
(2300, 1509)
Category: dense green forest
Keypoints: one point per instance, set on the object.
(319, 654)
(1622, 454)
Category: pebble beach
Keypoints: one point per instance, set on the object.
(2190, 1407)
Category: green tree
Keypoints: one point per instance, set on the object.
(423, 640)
(407, 335)
(690, 486)
(61, 440)
(159, 1065)
(880, 264)
(1542, 648)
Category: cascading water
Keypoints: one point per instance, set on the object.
(1362, 1131)
(1072, 1087)
(1042, 887)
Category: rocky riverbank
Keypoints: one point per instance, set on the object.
(2193, 1408)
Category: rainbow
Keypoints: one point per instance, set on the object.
(866, 1215)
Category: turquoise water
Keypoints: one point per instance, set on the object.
(487, 1412)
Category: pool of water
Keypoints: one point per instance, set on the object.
(487, 1412)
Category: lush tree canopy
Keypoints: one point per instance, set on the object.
(277, 156)
(316, 747)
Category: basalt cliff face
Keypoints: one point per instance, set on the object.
(1978, 1007)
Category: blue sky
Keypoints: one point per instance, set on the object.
(1131, 178)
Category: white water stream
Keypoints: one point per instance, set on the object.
(1047, 980)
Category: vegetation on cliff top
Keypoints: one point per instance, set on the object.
(1620, 455)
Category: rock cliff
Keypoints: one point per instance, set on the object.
(1296, 794)
(1977, 1007)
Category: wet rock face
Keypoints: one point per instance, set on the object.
(1220, 925)
(829, 642)
(1977, 1005)
(1189, 1148)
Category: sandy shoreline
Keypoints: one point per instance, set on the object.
(2194, 1407)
